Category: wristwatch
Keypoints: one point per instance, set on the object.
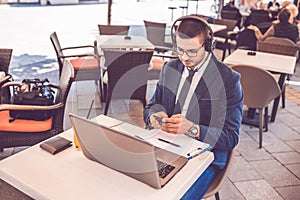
(193, 131)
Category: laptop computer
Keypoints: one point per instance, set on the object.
(127, 154)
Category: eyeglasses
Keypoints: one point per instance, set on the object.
(189, 52)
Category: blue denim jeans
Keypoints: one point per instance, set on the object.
(199, 188)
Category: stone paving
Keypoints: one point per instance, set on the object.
(272, 172)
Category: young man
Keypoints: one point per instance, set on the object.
(212, 108)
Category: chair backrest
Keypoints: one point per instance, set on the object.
(278, 45)
(220, 178)
(127, 73)
(264, 26)
(155, 32)
(5, 56)
(230, 24)
(58, 51)
(259, 16)
(113, 29)
(259, 86)
(246, 39)
(65, 83)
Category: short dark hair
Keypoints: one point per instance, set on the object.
(284, 16)
(189, 28)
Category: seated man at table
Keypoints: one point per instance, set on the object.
(212, 110)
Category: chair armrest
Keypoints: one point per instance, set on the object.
(80, 55)
(7, 77)
(231, 35)
(8, 84)
(29, 107)
(78, 47)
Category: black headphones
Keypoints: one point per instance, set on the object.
(209, 44)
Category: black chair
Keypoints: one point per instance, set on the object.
(264, 26)
(233, 14)
(259, 16)
(127, 74)
(22, 132)
(224, 37)
(246, 39)
(156, 35)
(113, 29)
(5, 57)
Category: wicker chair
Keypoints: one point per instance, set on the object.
(113, 29)
(22, 132)
(86, 65)
(224, 37)
(127, 74)
(5, 57)
(156, 35)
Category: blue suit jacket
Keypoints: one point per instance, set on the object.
(216, 104)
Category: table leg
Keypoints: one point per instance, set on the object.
(276, 101)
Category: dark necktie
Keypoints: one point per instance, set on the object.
(184, 91)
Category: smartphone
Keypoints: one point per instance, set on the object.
(159, 119)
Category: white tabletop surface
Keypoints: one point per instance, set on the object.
(119, 41)
(70, 175)
(217, 27)
(267, 61)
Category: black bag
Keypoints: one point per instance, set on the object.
(32, 92)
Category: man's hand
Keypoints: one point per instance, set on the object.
(155, 120)
(176, 124)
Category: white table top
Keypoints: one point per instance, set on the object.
(70, 175)
(217, 27)
(269, 61)
(119, 41)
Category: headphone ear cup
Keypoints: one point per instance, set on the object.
(208, 45)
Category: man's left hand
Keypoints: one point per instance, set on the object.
(176, 124)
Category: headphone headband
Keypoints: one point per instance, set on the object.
(209, 42)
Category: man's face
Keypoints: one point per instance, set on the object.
(191, 51)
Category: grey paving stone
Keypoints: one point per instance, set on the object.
(294, 110)
(250, 151)
(284, 132)
(295, 169)
(244, 136)
(287, 157)
(289, 193)
(297, 129)
(6, 153)
(295, 145)
(228, 192)
(289, 119)
(241, 170)
(275, 173)
(272, 143)
(257, 190)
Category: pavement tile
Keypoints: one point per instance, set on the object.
(250, 151)
(289, 119)
(295, 169)
(244, 136)
(284, 132)
(287, 157)
(242, 171)
(275, 173)
(297, 129)
(228, 192)
(6, 152)
(257, 190)
(272, 143)
(295, 110)
(295, 145)
(10, 193)
(289, 193)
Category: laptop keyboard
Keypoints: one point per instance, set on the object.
(164, 169)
